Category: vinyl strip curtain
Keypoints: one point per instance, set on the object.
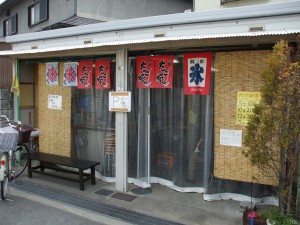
(180, 132)
(94, 126)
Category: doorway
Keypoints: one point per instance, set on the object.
(170, 134)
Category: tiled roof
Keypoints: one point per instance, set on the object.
(71, 22)
(78, 20)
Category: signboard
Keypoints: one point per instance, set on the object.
(245, 105)
(120, 101)
(52, 73)
(55, 102)
(231, 137)
(197, 69)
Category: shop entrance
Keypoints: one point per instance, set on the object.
(169, 135)
(93, 126)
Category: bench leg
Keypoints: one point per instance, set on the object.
(81, 181)
(93, 179)
(29, 170)
(42, 167)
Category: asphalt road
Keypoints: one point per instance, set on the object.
(25, 209)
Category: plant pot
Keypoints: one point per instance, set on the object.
(257, 221)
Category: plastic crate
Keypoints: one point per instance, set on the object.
(24, 133)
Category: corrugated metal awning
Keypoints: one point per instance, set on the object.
(145, 42)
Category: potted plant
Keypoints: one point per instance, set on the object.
(258, 217)
(272, 142)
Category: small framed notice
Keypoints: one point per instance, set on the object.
(55, 102)
(120, 101)
(231, 137)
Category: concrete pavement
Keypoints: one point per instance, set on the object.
(27, 209)
(162, 202)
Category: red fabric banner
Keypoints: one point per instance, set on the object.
(102, 74)
(145, 72)
(85, 74)
(197, 69)
(163, 71)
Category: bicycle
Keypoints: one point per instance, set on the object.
(13, 151)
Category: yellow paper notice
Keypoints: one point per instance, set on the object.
(245, 105)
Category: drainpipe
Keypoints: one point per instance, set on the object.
(121, 124)
(75, 7)
(298, 192)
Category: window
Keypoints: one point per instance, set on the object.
(38, 12)
(10, 26)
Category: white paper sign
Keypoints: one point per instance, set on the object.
(120, 101)
(231, 137)
(55, 102)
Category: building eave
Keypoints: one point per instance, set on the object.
(155, 43)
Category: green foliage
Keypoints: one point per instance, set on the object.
(272, 139)
(276, 218)
(264, 214)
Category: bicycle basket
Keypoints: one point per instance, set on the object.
(8, 138)
(24, 133)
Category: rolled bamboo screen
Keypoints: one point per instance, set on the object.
(54, 125)
(234, 72)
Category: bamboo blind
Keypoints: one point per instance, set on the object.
(235, 71)
(54, 125)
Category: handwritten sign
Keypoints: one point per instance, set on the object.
(231, 137)
(55, 102)
(120, 101)
(245, 105)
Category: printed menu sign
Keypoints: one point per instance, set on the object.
(245, 104)
(55, 102)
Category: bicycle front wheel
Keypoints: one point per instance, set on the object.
(4, 174)
(4, 185)
(20, 159)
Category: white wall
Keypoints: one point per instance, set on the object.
(105, 10)
(58, 11)
(108, 10)
(202, 5)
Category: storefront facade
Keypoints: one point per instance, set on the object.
(188, 137)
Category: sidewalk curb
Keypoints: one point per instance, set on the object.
(95, 217)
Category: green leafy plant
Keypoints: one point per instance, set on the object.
(275, 218)
(272, 139)
(263, 214)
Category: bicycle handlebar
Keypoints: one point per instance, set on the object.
(10, 122)
(4, 117)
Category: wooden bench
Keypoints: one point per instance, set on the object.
(50, 161)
